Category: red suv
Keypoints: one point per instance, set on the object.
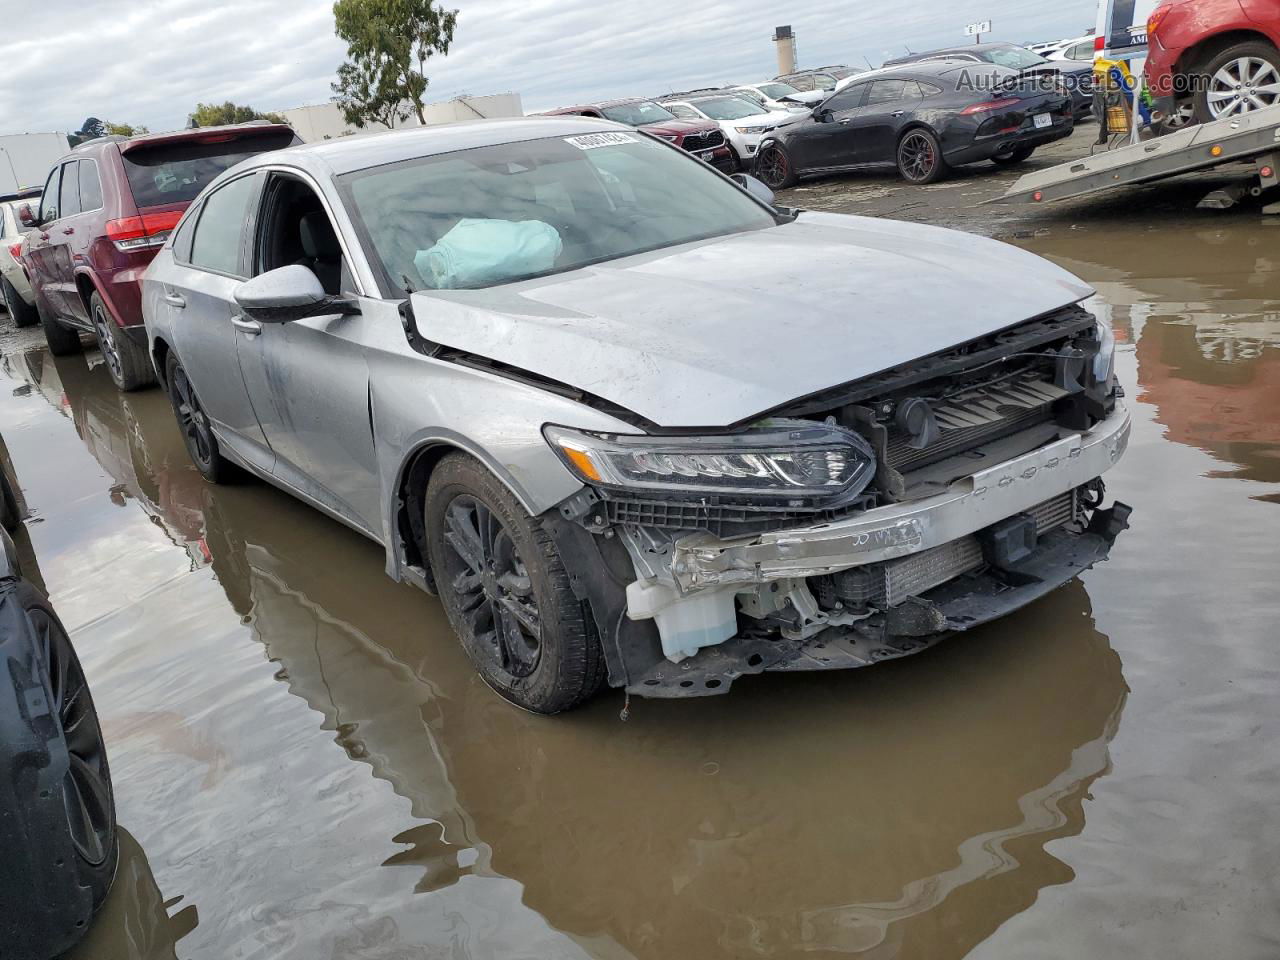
(106, 208)
(702, 138)
(1209, 59)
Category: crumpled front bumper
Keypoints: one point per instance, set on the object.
(702, 561)
(962, 604)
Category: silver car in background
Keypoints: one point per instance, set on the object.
(630, 421)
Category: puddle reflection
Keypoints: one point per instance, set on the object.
(904, 808)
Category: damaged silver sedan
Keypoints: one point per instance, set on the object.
(633, 423)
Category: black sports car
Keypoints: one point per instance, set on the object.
(923, 118)
(58, 843)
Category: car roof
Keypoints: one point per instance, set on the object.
(933, 68)
(359, 151)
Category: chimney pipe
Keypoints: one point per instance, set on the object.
(784, 42)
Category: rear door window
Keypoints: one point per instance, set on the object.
(175, 172)
(90, 186)
(218, 233)
(888, 91)
(69, 193)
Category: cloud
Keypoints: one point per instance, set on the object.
(151, 62)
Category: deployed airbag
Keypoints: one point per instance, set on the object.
(480, 252)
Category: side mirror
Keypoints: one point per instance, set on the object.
(25, 216)
(824, 115)
(754, 187)
(287, 294)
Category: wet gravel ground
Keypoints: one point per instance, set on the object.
(306, 766)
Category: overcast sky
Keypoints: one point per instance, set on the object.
(151, 61)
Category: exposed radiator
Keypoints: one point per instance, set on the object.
(888, 584)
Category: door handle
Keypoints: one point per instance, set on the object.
(250, 328)
(174, 300)
(67, 231)
(898, 113)
(845, 120)
(44, 236)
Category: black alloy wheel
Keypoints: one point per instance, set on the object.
(920, 157)
(492, 584)
(197, 433)
(774, 168)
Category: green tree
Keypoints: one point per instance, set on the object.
(388, 45)
(124, 129)
(364, 98)
(222, 114)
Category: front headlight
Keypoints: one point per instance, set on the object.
(751, 130)
(777, 459)
(1104, 362)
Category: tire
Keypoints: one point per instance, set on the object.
(490, 558)
(87, 795)
(1219, 75)
(920, 158)
(197, 434)
(1013, 157)
(774, 168)
(63, 340)
(22, 313)
(126, 359)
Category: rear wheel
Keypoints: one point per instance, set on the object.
(126, 359)
(920, 157)
(197, 432)
(62, 339)
(506, 591)
(22, 313)
(774, 168)
(87, 796)
(1013, 156)
(1240, 79)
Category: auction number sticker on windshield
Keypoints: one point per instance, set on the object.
(589, 141)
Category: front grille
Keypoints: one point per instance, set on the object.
(890, 583)
(725, 519)
(703, 141)
(976, 416)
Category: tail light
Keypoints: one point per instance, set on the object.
(1099, 43)
(15, 249)
(141, 233)
(1156, 18)
(989, 106)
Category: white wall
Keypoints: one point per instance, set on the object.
(322, 121)
(27, 158)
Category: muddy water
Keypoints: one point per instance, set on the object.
(306, 766)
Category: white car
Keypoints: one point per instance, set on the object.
(739, 118)
(1079, 50)
(14, 286)
(776, 95)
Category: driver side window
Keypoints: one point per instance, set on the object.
(49, 199)
(848, 98)
(295, 228)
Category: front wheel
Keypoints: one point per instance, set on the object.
(126, 359)
(1013, 156)
(920, 157)
(1240, 79)
(197, 432)
(774, 167)
(506, 591)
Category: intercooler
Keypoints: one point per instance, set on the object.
(888, 584)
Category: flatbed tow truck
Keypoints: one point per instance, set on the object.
(1247, 138)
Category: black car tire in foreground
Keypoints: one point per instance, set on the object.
(58, 844)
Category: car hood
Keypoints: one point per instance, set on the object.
(716, 332)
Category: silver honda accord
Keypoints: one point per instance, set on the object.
(634, 423)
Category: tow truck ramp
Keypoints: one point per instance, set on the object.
(1249, 137)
